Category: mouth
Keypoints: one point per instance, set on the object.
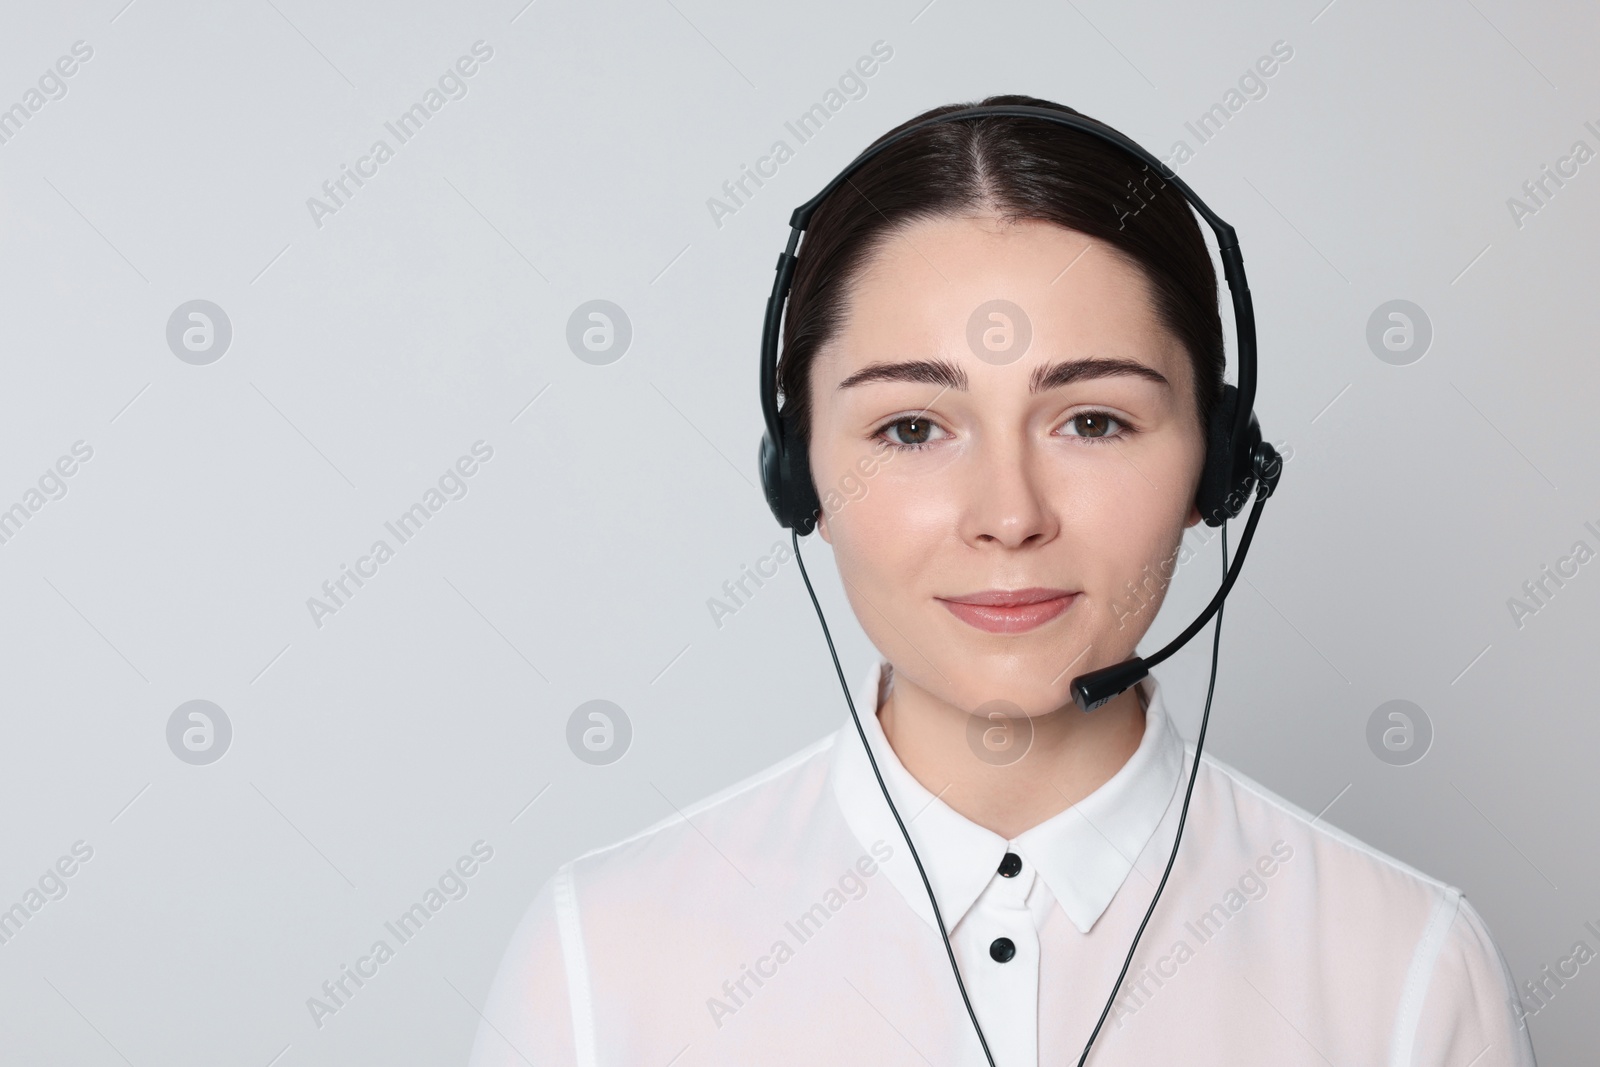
(1002, 611)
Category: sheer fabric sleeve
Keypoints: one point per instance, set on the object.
(1469, 1013)
(527, 1020)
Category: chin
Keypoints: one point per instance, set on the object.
(1032, 683)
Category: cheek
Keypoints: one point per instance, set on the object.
(1132, 534)
(1121, 546)
(887, 534)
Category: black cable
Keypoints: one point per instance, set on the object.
(795, 538)
(938, 917)
(1229, 574)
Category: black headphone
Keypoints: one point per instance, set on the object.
(1237, 461)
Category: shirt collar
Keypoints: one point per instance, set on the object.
(1083, 854)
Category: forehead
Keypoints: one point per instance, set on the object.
(919, 292)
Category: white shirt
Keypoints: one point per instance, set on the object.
(782, 921)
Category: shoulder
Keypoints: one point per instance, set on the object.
(595, 923)
(1360, 915)
(1352, 899)
(1341, 857)
(744, 806)
(717, 845)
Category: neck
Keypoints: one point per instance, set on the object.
(1071, 755)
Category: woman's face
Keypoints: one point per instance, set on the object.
(953, 462)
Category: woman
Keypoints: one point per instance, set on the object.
(1001, 348)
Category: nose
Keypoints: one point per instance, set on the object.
(1005, 501)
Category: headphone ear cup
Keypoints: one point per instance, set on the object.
(772, 479)
(786, 480)
(1223, 487)
(803, 504)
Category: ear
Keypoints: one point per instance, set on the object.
(822, 527)
(1194, 515)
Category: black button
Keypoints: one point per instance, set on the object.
(1010, 865)
(1001, 950)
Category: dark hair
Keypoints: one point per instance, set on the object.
(1015, 168)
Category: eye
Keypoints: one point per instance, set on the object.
(1096, 427)
(908, 433)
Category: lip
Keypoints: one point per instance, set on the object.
(1009, 611)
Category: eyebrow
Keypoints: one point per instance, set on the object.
(1050, 376)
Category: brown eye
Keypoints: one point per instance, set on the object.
(909, 431)
(1096, 424)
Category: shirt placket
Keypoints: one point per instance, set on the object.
(997, 945)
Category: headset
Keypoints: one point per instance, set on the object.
(1238, 461)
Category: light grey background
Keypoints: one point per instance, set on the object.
(430, 312)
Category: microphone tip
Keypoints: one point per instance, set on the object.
(1090, 691)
